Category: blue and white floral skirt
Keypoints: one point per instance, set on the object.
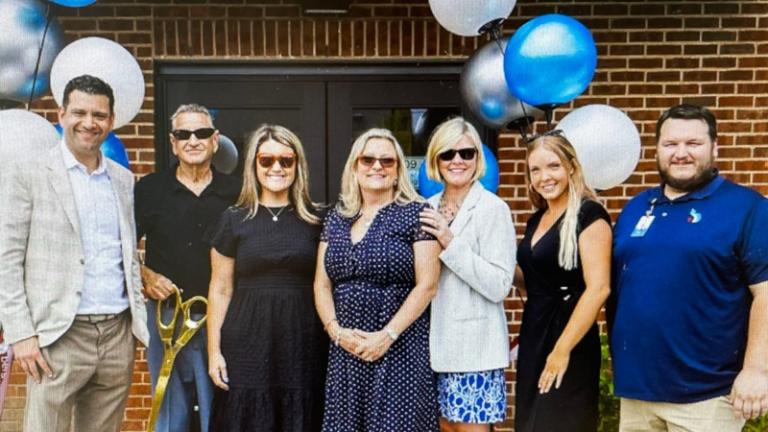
(472, 397)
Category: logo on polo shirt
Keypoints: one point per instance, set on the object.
(694, 216)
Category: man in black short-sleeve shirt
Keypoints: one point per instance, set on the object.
(174, 209)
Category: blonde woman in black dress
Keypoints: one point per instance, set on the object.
(565, 261)
(267, 349)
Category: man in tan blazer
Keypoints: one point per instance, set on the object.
(70, 302)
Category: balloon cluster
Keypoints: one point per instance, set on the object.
(549, 61)
(30, 49)
(24, 28)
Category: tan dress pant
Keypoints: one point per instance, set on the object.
(92, 367)
(711, 415)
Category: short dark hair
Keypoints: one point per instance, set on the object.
(91, 85)
(689, 112)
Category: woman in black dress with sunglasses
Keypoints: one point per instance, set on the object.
(266, 346)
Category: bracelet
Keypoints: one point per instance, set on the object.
(392, 334)
(327, 323)
(338, 336)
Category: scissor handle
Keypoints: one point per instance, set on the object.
(169, 327)
(187, 308)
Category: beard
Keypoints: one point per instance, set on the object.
(703, 176)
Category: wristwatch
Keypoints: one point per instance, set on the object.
(392, 334)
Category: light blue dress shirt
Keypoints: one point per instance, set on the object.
(104, 279)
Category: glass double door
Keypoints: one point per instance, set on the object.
(327, 110)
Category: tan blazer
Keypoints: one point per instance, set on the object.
(468, 331)
(41, 253)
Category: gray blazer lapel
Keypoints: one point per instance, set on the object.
(465, 212)
(123, 197)
(59, 178)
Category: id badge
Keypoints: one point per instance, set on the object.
(642, 226)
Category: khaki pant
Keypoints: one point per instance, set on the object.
(92, 367)
(706, 416)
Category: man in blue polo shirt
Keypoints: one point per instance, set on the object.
(689, 331)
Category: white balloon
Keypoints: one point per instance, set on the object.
(225, 158)
(25, 135)
(11, 79)
(108, 61)
(467, 17)
(606, 141)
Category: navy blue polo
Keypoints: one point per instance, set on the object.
(682, 311)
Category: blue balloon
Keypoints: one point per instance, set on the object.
(73, 3)
(427, 186)
(32, 17)
(41, 86)
(112, 147)
(550, 60)
(490, 180)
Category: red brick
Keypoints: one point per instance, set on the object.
(738, 22)
(718, 36)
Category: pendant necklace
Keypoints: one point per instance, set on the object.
(449, 209)
(276, 215)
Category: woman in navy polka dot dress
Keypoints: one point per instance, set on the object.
(377, 272)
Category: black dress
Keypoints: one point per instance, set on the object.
(552, 296)
(271, 338)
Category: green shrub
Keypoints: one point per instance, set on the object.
(608, 404)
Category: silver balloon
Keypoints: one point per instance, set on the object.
(22, 25)
(606, 141)
(225, 158)
(24, 135)
(484, 88)
(108, 61)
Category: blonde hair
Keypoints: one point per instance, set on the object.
(446, 135)
(299, 190)
(578, 190)
(350, 199)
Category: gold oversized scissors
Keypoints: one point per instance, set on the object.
(171, 348)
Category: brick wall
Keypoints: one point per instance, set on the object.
(652, 54)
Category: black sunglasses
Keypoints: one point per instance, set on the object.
(465, 153)
(267, 160)
(202, 133)
(369, 161)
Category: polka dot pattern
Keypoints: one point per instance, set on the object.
(371, 279)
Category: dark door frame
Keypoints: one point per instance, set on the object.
(305, 71)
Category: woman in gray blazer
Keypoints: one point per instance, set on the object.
(468, 341)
